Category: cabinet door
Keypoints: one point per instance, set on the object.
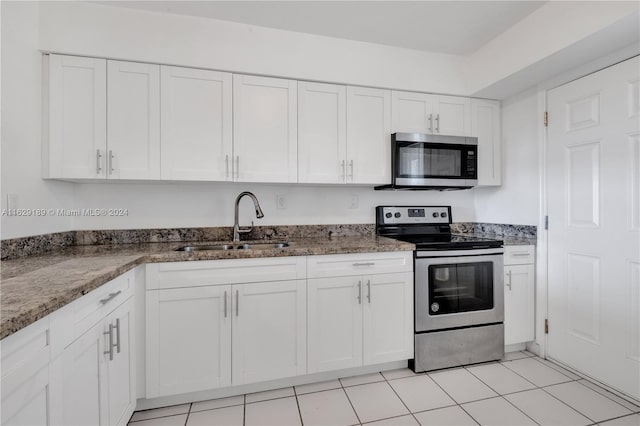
(29, 402)
(368, 135)
(452, 115)
(133, 119)
(322, 133)
(265, 129)
(485, 125)
(269, 331)
(84, 380)
(388, 317)
(411, 112)
(121, 378)
(519, 293)
(75, 121)
(188, 340)
(335, 323)
(196, 128)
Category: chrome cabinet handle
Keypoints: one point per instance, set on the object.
(369, 291)
(237, 302)
(98, 157)
(111, 162)
(431, 122)
(364, 263)
(110, 298)
(509, 283)
(238, 167)
(351, 165)
(359, 292)
(110, 333)
(344, 169)
(226, 162)
(117, 335)
(438, 123)
(225, 304)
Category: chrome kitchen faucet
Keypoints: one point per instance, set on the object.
(237, 229)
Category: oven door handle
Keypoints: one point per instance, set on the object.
(452, 253)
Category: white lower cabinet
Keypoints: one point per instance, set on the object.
(98, 380)
(519, 295)
(359, 320)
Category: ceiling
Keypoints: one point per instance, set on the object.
(453, 27)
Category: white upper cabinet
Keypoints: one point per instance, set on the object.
(451, 115)
(75, 117)
(438, 114)
(265, 126)
(368, 135)
(411, 112)
(322, 133)
(196, 130)
(133, 120)
(485, 125)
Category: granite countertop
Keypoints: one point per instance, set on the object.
(506, 239)
(35, 286)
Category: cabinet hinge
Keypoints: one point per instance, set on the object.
(546, 119)
(546, 326)
(546, 222)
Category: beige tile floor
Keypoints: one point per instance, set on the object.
(521, 390)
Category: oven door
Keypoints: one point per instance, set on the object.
(458, 288)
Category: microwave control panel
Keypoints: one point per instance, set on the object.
(421, 215)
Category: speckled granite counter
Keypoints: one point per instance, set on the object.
(33, 287)
(508, 240)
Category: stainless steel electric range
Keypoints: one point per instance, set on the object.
(458, 290)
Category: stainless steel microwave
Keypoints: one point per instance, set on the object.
(421, 161)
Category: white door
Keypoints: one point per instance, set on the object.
(485, 125)
(411, 112)
(452, 115)
(77, 118)
(29, 402)
(133, 120)
(519, 292)
(188, 339)
(121, 369)
(335, 323)
(388, 317)
(322, 133)
(265, 126)
(269, 331)
(594, 225)
(84, 383)
(196, 126)
(368, 135)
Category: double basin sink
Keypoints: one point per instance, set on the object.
(234, 246)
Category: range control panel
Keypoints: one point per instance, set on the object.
(406, 215)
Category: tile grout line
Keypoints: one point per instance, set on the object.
(447, 393)
(188, 414)
(575, 409)
(350, 403)
(244, 409)
(295, 394)
(637, 410)
(401, 400)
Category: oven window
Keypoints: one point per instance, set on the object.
(461, 287)
(418, 161)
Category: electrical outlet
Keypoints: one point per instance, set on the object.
(12, 201)
(354, 202)
(281, 202)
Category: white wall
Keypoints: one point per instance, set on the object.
(517, 200)
(21, 110)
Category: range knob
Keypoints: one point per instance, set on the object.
(435, 214)
(388, 215)
(397, 214)
(443, 214)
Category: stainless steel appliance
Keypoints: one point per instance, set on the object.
(459, 295)
(422, 161)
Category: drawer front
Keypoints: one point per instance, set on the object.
(519, 255)
(94, 306)
(228, 271)
(336, 265)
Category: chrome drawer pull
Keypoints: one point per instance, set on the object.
(98, 157)
(117, 334)
(237, 302)
(225, 304)
(110, 333)
(509, 283)
(369, 291)
(359, 292)
(110, 298)
(364, 263)
(520, 254)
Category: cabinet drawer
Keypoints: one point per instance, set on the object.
(228, 271)
(519, 255)
(94, 306)
(336, 265)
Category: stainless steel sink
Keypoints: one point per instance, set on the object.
(242, 246)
